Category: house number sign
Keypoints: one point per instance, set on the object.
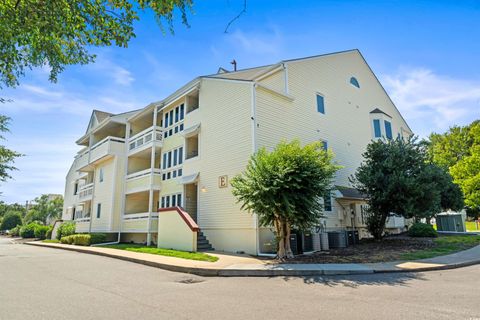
(223, 181)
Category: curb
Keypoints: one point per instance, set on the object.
(204, 272)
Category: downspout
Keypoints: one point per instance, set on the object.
(285, 77)
(90, 140)
(253, 117)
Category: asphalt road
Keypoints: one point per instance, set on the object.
(43, 283)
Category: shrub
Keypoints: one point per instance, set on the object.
(11, 220)
(48, 234)
(15, 231)
(422, 230)
(97, 238)
(41, 231)
(66, 229)
(28, 231)
(81, 239)
(67, 239)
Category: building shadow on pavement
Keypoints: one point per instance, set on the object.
(355, 281)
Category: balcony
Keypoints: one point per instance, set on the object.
(81, 158)
(138, 222)
(144, 139)
(106, 147)
(139, 181)
(85, 192)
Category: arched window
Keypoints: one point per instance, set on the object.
(354, 82)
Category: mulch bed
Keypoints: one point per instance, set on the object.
(368, 251)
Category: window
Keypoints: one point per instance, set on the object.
(171, 161)
(173, 200)
(99, 210)
(388, 130)
(100, 175)
(376, 128)
(75, 189)
(320, 104)
(327, 202)
(179, 199)
(180, 155)
(173, 121)
(354, 82)
(325, 145)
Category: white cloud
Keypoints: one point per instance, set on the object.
(433, 102)
(41, 170)
(258, 43)
(122, 76)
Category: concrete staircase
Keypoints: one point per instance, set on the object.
(202, 242)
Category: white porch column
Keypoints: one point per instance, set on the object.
(152, 166)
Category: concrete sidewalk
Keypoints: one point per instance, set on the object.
(232, 265)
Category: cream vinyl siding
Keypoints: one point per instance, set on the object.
(225, 147)
(225, 144)
(275, 81)
(103, 194)
(346, 123)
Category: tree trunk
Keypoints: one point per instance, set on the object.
(288, 249)
(282, 228)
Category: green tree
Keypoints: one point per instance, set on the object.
(388, 177)
(436, 192)
(11, 220)
(59, 33)
(45, 209)
(458, 151)
(7, 156)
(284, 188)
(397, 177)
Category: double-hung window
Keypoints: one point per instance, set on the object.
(320, 104)
(388, 130)
(376, 128)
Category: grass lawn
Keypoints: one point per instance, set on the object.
(51, 241)
(163, 252)
(471, 226)
(444, 245)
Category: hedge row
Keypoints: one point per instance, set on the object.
(84, 239)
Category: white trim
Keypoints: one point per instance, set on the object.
(254, 150)
(271, 90)
(285, 77)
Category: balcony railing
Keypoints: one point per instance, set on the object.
(82, 219)
(148, 135)
(139, 216)
(85, 191)
(143, 173)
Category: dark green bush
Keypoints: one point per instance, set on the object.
(41, 231)
(97, 238)
(66, 229)
(422, 230)
(11, 220)
(28, 231)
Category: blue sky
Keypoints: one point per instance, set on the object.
(424, 52)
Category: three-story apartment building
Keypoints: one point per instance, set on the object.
(182, 151)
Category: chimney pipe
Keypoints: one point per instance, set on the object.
(234, 62)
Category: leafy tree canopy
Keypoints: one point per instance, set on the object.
(11, 220)
(458, 150)
(285, 187)
(45, 209)
(397, 178)
(7, 156)
(58, 33)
